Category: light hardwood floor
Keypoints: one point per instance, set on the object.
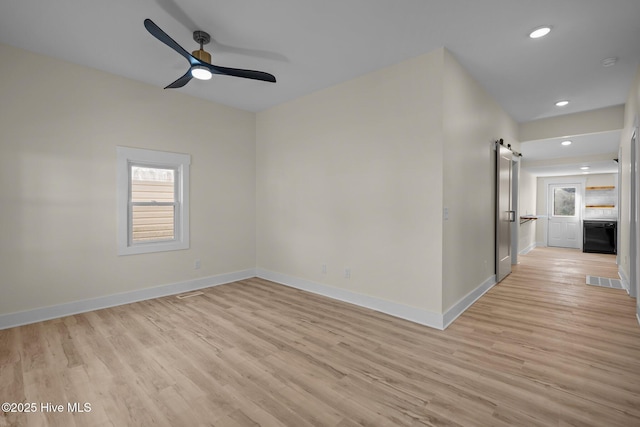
(539, 349)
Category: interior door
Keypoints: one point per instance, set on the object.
(564, 229)
(505, 214)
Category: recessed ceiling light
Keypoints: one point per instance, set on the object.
(585, 168)
(566, 142)
(540, 32)
(562, 103)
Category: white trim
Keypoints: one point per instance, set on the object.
(618, 228)
(634, 154)
(638, 315)
(515, 205)
(467, 301)
(67, 309)
(528, 248)
(635, 264)
(181, 162)
(623, 279)
(413, 314)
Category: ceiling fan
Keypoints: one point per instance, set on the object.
(200, 61)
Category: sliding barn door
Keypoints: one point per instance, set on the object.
(505, 214)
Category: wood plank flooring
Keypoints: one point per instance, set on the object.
(540, 349)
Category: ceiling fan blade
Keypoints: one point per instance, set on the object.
(181, 81)
(237, 72)
(175, 11)
(164, 38)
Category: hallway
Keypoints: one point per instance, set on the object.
(581, 343)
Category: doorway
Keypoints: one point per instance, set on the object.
(505, 214)
(564, 213)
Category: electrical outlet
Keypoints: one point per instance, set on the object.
(347, 273)
(196, 265)
(324, 268)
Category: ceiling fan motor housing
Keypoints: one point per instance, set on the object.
(202, 38)
(202, 55)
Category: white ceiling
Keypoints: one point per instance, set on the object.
(548, 157)
(309, 44)
(581, 146)
(571, 168)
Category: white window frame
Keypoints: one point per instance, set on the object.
(159, 159)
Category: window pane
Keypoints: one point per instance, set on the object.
(153, 223)
(564, 201)
(152, 184)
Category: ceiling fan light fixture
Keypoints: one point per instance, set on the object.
(540, 32)
(201, 73)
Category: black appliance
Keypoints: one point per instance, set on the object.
(600, 237)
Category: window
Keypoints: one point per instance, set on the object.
(564, 201)
(153, 201)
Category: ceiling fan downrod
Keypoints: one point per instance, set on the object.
(202, 38)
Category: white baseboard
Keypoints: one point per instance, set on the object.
(624, 279)
(461, 306)
(413, 314)
(625, 284)
(53, 312)
(528, 249)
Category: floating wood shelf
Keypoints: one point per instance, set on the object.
(601, 206)
(524, 219)
(602, 187)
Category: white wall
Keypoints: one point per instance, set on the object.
(591, 180)
(351, 177)
(632, 111)
(59, 127)
(527, 206)
(601, 197)
(473, 121)
(587, 122)
(356, 176)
